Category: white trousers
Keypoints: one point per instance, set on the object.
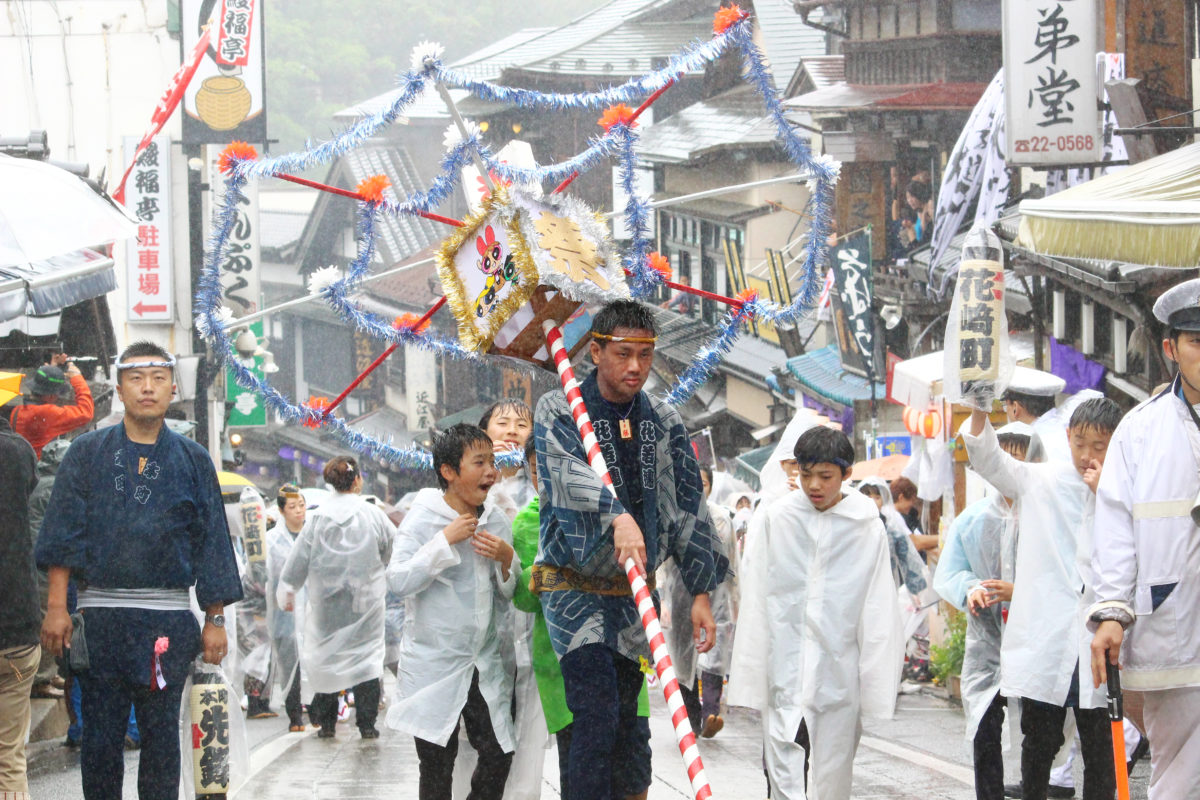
(1173, 727)
(833, 742)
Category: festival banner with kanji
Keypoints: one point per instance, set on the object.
(853, 322)
(225, 101)
(148, 289)
(1050, 78)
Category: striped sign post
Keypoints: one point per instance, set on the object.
(637, 580)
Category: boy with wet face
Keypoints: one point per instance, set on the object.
(819, 593)
(451, 543)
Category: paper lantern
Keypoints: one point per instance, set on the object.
(924, 423)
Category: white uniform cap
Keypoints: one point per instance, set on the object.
(1035, 382)
(1179, 306)
(1016, 429)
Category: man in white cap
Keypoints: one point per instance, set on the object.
(1030, 399)
(1146, 555)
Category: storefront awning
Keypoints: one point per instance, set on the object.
(1148, 213)
(45, 287)
(821, 371)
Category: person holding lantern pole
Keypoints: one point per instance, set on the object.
(587, 533)
(1045, 638)
(1146, 556)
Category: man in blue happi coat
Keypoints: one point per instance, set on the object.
(136, 519)
(587, 534)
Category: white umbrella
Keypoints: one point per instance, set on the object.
(46, 211)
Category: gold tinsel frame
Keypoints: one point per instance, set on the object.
(497, 204)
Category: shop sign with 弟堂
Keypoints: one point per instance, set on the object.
(1051, 91)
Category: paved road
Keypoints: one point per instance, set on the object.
(919, 755)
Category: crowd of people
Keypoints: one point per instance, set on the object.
(500, 601)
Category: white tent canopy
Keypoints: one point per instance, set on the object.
(1148, 213)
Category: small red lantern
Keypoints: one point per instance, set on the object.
(926, 424)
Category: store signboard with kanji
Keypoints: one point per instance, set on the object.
(148, 291)
(241, 269)
(225, 100)
(1051, 82)
(246, 408)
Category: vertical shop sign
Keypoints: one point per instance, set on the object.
(148, 286)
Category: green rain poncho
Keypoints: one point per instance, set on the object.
(545, 663)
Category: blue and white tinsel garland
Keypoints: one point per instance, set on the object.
(618, 143)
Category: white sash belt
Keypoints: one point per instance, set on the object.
(147, 599)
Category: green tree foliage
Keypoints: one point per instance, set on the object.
(326, 55)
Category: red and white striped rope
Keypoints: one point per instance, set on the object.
(637, 581)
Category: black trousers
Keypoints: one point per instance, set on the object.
(323, 709)
(291, 703)
(691, 703)
(436, 763)
(989, 754)
(712, 686)
(1042, 725)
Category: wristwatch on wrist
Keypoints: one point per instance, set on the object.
(216, 620)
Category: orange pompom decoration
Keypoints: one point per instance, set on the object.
(727, 17)
(233, 153)
(619, 114)
(660, 264)
(318, 404)
(409, 322)
(372, 188)
(746, 296)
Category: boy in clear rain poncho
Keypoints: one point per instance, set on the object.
(284, 625)
(340, 557)
(974, 574)
(1045, 638)
(818, 639)
(455, 566)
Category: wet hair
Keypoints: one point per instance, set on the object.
(1098, 414)
(1012, 443)
(508, 404)
(1035, 404)
(903, 489)
(919, 190)
(143, 348)
(530, 449)
(286, 492)
(706, 471)
(340, 472)
(907, 214)
(450, 445)
(622, 314)
(821, 445)
(871, 490)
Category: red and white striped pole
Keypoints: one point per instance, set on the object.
(637, 580)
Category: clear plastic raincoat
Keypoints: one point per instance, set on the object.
(284, 625)
(340, 556)
(974, 544)
(1044, 638)
(724, 598)
(456, 610)
(818, 638)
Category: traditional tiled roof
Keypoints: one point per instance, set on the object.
(400, 235)
(907, 97)
(735, 118)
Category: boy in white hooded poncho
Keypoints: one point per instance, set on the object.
(818, 640)
(974, 574)
(454, 564)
